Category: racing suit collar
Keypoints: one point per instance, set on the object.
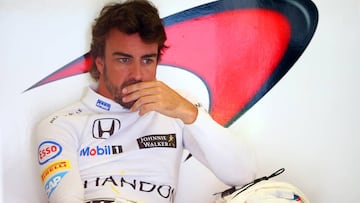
(100, 103)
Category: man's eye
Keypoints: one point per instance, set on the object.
(123, 60)
(147, 61)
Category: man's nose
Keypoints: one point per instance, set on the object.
(136, 71)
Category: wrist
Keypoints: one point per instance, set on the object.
(191, 115)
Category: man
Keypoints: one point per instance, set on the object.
(124, 140)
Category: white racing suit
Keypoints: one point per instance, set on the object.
(97, 150)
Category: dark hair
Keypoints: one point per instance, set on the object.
(130, 17)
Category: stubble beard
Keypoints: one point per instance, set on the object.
(116, 92)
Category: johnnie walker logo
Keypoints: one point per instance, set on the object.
(150, 141)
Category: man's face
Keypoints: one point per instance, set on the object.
(127, 60)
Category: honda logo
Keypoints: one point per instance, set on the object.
(105, 127)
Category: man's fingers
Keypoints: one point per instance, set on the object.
(139, 90)
(145, 103)
(157, 96)
(147, 108)
(139, 86)
(135, 95)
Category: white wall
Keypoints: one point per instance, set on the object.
(308, 123)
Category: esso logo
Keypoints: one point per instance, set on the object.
(48, 150)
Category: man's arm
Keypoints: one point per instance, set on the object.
(226, 154)
(58, 168)
(223, 152)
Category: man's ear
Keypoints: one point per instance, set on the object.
(99, 64)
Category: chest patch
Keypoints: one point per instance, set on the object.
(151, 141)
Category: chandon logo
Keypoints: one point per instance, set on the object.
(105, 127)
(163, 191)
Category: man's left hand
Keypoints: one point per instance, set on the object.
(157, 96)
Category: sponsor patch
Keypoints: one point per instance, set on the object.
(54, 168)
(101, 150)
(105, 128)
(53, 182)
(119, 182)
(103, 105)
(48, 150)
(150, 141)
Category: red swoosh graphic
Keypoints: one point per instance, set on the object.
(234, 52)
(75, 67)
